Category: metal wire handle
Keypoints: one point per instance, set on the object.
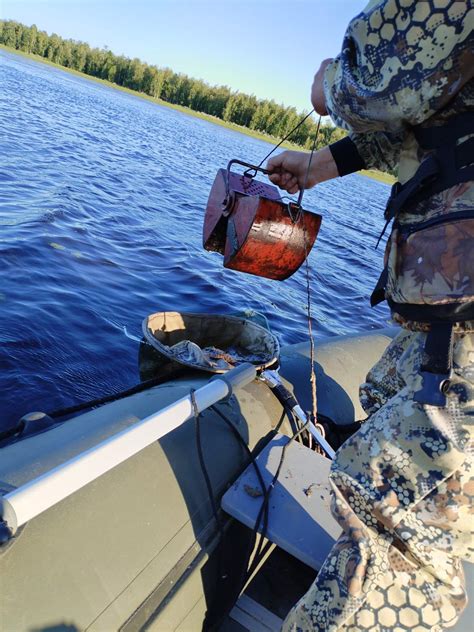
(250, 167)
(287, 136)
(230, 197)
(305, 182)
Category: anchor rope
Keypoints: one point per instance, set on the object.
(299, 216)
(288, 136)
(314, 402)
(308, 168)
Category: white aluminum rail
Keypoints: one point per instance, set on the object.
(38, 495)
(272, 379)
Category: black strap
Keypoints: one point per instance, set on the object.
(465, 153)
(439, 349)
(437, 366)
(401, 194)
(346, 156)
(378, 295)
(457, 126)
(445, 313)
(449, 163)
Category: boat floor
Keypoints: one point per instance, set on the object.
(280, 583)
(277, 586)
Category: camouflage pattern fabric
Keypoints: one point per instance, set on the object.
(403, 485)
(434, 263)
(405, 63)
(402, 63)
(403, 489)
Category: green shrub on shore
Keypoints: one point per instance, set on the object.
(260, 116)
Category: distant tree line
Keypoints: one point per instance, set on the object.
(236, 107)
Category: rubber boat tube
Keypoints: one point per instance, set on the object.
(134, 549)
(41, 493)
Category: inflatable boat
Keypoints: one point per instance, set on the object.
(137, 548)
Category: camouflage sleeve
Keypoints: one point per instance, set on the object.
(378, 150)
(401, 61)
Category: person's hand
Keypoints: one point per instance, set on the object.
(318, 98)
(288, 169)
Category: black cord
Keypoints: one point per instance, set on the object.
(288, 136)
(260, 548)
(16, 431)
(253, 539)
(138, 388)
(202, 463)
(245, 446)
(213, 620)
(261, 523)
(264, 508)
(12, 432)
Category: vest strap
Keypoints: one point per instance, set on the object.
(378, 295)
(449, 163)
(437, 367)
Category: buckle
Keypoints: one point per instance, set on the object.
(394, 192)
(433, 389)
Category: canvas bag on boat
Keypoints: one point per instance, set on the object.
(210, 342)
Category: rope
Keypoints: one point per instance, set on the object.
(263, 512)
(138, 388)
(17, 430)
(314, 403)
(313, 148)
(288, 136)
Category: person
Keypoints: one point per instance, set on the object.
(403, 484)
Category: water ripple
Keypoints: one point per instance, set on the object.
(101, 216)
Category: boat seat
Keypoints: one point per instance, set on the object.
(299, 521)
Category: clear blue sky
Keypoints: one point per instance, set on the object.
(270, 48)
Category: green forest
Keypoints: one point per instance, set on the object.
(260, 115)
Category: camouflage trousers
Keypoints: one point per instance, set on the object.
(403, 489)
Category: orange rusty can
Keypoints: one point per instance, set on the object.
(256, 231)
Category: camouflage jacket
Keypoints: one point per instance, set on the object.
(408, 63)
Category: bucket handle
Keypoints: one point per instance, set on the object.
(250, 173)
(249, 170)
(294, 209)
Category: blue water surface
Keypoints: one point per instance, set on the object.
(101, 213)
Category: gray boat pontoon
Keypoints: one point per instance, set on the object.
(136, 548)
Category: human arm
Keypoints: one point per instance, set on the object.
(378, 150)
(352, 153)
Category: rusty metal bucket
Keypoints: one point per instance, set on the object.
(256, 231)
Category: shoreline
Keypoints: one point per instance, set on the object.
(374, 175)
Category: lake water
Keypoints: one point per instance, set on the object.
(101, 212)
